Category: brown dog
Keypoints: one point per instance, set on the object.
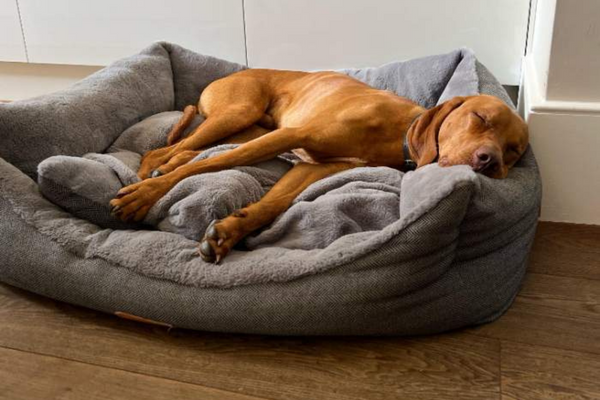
(333, 123)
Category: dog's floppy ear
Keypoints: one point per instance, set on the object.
(423, 134)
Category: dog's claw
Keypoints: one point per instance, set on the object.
(155, 174)
(205, 258)
(115, 210)
(211, 238)
(206, 251)
(211, 231)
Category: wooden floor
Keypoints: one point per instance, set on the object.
(547, 346)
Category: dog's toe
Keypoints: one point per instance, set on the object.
(214, 246)
(206, 251)
(211, 231)
(115, 209)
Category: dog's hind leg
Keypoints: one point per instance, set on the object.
(230, 105)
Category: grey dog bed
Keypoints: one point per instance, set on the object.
(371, 251)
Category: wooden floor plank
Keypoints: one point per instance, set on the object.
(27, 376)
(543, 373)
(552, 311)
(447, 366)
(566, 250)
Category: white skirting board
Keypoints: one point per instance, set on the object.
(566, 139)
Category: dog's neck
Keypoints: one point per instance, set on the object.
(409, 164)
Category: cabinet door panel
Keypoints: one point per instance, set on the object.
(98, 32)
(12, 47)
(329, 34)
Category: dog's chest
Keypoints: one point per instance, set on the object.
(315, 158)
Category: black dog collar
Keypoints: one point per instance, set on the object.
(409, 164)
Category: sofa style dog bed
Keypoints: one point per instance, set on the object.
(370, 251)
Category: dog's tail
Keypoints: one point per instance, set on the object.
(177, 131)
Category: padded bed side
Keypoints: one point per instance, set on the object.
(349, 300)
(193, 72)
(382, 293)
(90, 115)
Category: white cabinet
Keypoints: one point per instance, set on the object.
(92, 32)
(329, 34)
(287, 34)
(12, 47)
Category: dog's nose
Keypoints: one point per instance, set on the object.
(485, 159)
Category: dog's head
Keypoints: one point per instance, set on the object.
(479, 131)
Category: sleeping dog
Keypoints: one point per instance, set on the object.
(332, 122)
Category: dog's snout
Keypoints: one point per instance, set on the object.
(485, 159)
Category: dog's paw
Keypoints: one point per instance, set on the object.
(133, 202)
(220, 237)
(175, 162)
(152, 160)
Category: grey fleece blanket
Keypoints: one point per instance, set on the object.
(359, 201)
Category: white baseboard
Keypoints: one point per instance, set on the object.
(566, 140)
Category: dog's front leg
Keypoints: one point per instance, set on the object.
(133, 202)
(221, 236)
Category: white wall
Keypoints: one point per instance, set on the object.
(306, 34)
(330, 34)
(540, 41)
(89, 32)
(562, 106)
(574, 73)
(12, 45)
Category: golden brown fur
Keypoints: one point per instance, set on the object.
(332, 122)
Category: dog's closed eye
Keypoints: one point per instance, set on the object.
(480, 117)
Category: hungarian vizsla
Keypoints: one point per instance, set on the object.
(332, 122)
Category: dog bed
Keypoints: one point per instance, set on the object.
(370, 251)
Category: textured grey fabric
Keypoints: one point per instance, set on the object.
(361, 200)
(193, 72)
(83, 187)
(89, 116)
(488, 84)
(170, 256)
(350, 300)
(455, 257)
(151, 133)
(195, 202)
(428, 81)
